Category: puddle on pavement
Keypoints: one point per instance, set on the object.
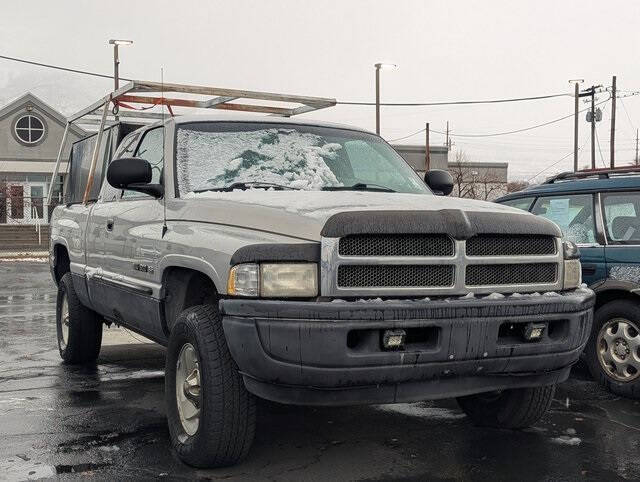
(420, 410)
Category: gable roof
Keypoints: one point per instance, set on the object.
(29, 98)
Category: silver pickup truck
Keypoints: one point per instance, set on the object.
(307, 263)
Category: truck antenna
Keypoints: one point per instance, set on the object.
(164, 195)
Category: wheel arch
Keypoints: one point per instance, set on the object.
(184, 287)
(61, 261)
(614, 290)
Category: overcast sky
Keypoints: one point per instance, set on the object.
(446, 50)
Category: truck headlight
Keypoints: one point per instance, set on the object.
(572, 266)
(274, 280)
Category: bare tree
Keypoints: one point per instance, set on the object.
(515, 186)
(463, 175)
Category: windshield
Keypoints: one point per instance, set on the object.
(243, 155)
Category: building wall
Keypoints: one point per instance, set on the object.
(479, 180)
(415, 156)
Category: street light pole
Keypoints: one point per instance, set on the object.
(377, 99)
(379, 67)
(116, 60)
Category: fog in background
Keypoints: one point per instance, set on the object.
(449, 50)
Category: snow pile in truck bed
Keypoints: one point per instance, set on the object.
(280, 156)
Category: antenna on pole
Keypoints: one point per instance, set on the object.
(164, 196)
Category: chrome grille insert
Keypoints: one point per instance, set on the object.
(510, 274)
(391, 273)
(510, 245)
(396, 245)
(398, 275)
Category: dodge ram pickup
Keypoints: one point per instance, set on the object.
(307, 263)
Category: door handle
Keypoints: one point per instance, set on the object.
(109, 224)
(588, 269)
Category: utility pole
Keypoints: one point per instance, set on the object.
(427, 155)
(447, 141)
(612, 156)
(377, 100)
(576, 93)
(593, 127)
(637, 159)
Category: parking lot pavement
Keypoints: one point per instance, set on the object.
(108, 421)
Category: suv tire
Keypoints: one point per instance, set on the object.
(608, 315)
(79, 329)
(210, 413)
(516, 408)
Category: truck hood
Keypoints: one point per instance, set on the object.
(302, 214)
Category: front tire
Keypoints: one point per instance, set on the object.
(210, 413)
(79, 329)
(613, 351)
(516, 408)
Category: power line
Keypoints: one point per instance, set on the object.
(388, 104)
(57, 67)
(456, 102)
(501, 133)
(552, 165)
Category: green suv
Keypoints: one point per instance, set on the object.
(599, 211)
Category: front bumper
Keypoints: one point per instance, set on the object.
(329, 353)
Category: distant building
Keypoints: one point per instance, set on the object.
(415, 156)
(478, 180)
(30, 135)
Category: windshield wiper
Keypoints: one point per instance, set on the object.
(360, 186)
(245, 186)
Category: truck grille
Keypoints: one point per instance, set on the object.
(398, 275)
(510, 274)
(405, 264)
(513, 245)
(396, 245)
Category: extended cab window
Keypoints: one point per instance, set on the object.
(151, 148)
(621, 217)
(522, 203)
(125, 149)
(572, 213)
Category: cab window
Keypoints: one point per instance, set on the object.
(572, 213)
(125, 149)
(522, 203)
(621, 217)
(151, 148)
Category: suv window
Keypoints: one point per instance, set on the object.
(151, 148)
(621, 217)
(572, 213)
(522, 203)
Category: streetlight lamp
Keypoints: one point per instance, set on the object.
(576, 83)
(116, 60)
(379, 67)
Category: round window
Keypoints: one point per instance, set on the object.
(29, 129)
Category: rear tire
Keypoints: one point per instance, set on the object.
(79, 329)
(613, 379)
(210, 413)
(517, 408)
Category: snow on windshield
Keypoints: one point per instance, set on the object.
(282, 156)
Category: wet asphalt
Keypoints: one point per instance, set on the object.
(108, 421)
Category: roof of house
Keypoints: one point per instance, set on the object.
(29, 98)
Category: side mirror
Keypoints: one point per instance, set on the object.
(134, 174)
(439, 181)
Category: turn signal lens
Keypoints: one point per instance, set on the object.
(243, 280)
(572, 274)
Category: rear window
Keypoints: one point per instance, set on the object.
(621, 217)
